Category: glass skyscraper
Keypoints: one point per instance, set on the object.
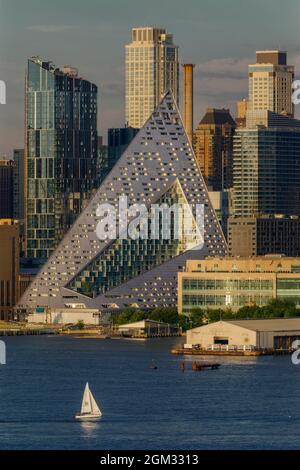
(266, 170)
(61, 152)
(152, 69)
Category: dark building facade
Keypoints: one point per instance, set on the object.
(61, 152)
(118, 140)
(266, 171)
(255, 236)
(19, 185)
(6, 189)
(9, 272)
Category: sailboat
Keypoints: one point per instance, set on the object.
(89, 408)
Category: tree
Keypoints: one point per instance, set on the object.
(80, 324)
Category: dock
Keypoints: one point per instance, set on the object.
(205, 352)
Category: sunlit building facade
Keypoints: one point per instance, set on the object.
(270, 83)
(152, 69)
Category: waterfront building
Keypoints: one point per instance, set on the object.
(246, 335)
(72, 314)
(213, 145)
(158, 167)
(236, 282)
(9, 272)
(270, 83)
(6, 189)
(148, 329)
(60, 154)
(255, 236)
(152, 69)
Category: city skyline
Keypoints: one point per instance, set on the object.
(221, 63)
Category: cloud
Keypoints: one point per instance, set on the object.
(228, 67)
(50, 28)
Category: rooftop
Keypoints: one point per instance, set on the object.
(274, 324)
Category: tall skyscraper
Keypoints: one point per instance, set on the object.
(213, 145)
(19, 185)
(270, 83)
(9, 272)
(158, 167)
(61, 152)
(6, 189)
(266, 170)
(152, 69)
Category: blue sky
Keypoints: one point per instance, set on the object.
(220, 36)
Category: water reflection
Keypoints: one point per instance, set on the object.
(89, 427)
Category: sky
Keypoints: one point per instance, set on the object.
(219, 36)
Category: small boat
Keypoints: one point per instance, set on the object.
(153, 365)
(199, 366)
(89, 408)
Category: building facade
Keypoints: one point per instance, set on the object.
(9, 272)
(158, 167)
(255, 236)
(241, 111)
(19, 185)
(266, 170)
(6, 189)
(61, 152)
(270, 83)
(118, 140)
(246, 335)
(213, 145)
(152, 69)
(236, 282)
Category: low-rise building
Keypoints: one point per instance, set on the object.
(148, 329)
(63, 316)
(236, 282)
(273, 334)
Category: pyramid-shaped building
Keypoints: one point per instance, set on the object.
(157, 167)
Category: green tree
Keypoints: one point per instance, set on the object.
(80, 324)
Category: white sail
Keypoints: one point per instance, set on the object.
(86, 406)
(95, 408)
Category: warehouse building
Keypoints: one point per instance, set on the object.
(277, 334)
(148, 329)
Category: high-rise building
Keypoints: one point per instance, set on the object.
(158, 167)
(60, 154)
(6, 189)
(19, 185)
(152, 68)
(270, 83)
(118, 140)
(9, 272)
(213, 145)
(241, 111)
(254, 236)
(266, 170)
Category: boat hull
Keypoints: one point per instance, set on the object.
(87, 417)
